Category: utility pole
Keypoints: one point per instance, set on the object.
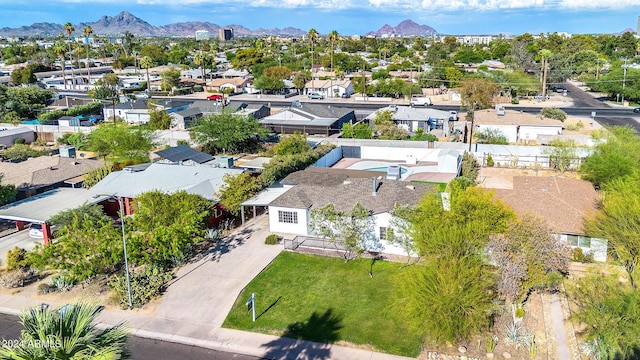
(473, 119)
(624, 78)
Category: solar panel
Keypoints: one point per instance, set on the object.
(183, 152)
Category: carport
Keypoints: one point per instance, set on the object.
(40, 208)
(263, 198)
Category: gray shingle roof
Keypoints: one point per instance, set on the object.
(347, 194)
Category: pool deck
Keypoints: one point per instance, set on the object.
(422, 171)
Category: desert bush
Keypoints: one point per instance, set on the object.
(146, 284)
(490, 161)
(519, 313)
(16, 258)
(62, 281)
(272, 239)
(578, 255)
(554, 113)
(19, 141)
(45, 288)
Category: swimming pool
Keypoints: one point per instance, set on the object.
(384, 169)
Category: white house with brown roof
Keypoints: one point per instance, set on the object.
(290, 212)
(237, 84)
(329, 88)
(563, 203)
(517, 126)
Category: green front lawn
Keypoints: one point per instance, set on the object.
(326, 300)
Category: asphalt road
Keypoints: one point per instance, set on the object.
(140, 348)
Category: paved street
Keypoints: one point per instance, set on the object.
(19, 239)
(140, 348)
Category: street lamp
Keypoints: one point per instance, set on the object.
(124, 243)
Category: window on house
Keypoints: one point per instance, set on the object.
(287, 217)
(580, 241)
(383, 233)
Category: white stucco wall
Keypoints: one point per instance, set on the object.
(510, 131)
(529, 132)
(301, 228)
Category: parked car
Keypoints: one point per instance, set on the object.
(420, 101)
(142, 95)
(35, 231)
(453, 116)
(215, 97)
(539, 97)
(316, 96)
(636, 110)
(345, 95)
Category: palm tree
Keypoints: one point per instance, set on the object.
(333, 38)
(199, 59)
(87, 31)
(60, 50)
(67, 333)
(69, 29)
(146, 62)
(313, 37)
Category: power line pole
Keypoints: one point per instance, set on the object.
(624, 77)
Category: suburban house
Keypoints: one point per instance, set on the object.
(257, 111)
(329, 88)
(137, 112)
(8, 135)
(236, 84)
(517, 126)
(134, 180)
(290, 212)
(184, 119)
(234, 73)
(412, 118)
(563, 203)
(309, 119)
(37, 175)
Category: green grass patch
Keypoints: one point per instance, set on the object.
(441, 187)
(326, 300)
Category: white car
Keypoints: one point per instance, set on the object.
(35, 231)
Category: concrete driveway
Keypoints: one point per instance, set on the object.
(19, 239)
(204, 291)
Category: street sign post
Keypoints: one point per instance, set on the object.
(251, 306)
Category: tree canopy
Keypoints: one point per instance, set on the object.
(122, 141)
(229, 132)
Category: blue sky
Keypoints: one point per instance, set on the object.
(348, 17)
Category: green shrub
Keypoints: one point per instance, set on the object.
(22, 152)
(519, 313)
(146, 284)
(272, 239)
(62, 281)
(182, 142)
(554, 113)
(490, 161)
(16, 258)
(19, 141)
(515, 101)
(45, 288)
(578, 255)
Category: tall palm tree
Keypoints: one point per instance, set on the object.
(313, 37)
(87, 31)
(146, 62)
(60, 50)
(333, 38)
(199, 59)
(69, 29)
(67, 333)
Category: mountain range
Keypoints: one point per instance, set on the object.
(125, 21)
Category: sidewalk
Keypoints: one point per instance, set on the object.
(198, 299)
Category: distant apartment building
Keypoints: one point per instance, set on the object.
(475, 39)
(225, 34)
(202, 35)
